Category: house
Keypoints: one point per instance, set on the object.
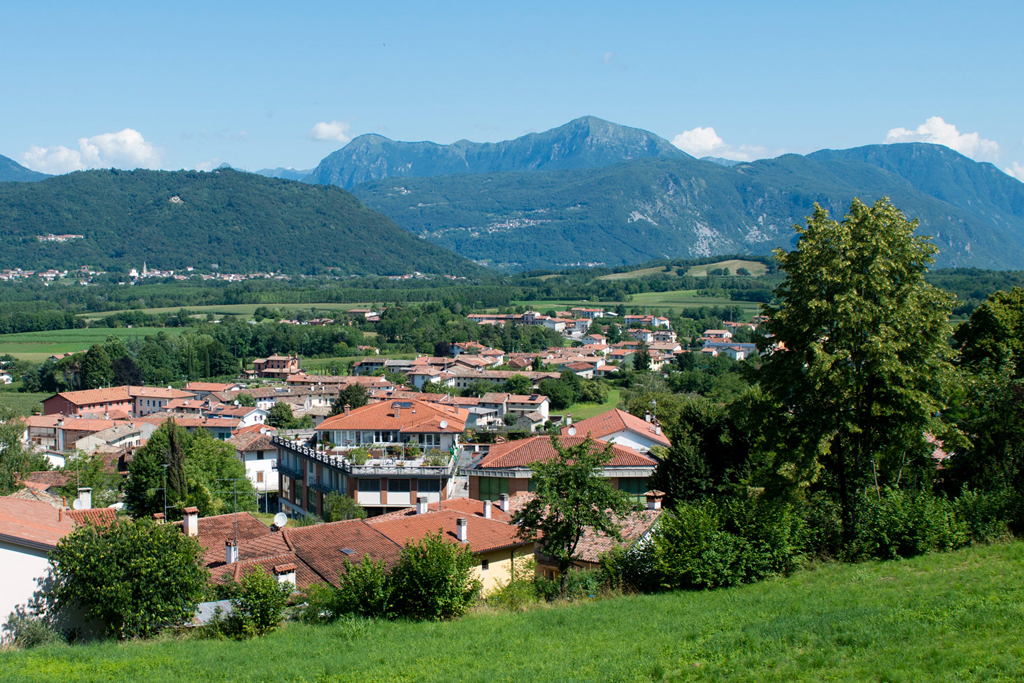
(5, 378)
(275, 366)
(202, 389)
(505, 469)
(125, 436)
(642, 335)
(89, 400)
(29, 530)
(588, 313)
(665, 336)
(595, 340)
(582, 369)
(716, 335)
(247, 416)
(149, 400)
(392, 477)
(257, 451)
(235, 544)
(620, 427)
(736, 351)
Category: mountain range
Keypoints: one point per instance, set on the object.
(595, 192)
(242, 222)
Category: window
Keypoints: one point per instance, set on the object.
(369, 485)
(485, 565)
(259, 455)
(430, 439)
(531, 486)
(635, 486)
(428, 485)
(259, 477)
(398, 486)
(491, 488)
(298, 492)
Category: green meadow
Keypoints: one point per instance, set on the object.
(38, 346)
(943, 617)
(246, 310)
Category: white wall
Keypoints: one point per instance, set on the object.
(22, 567)
(632, 440)
(266, 466)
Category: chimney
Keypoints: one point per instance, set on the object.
(192, 521)
(398, 410)
(503, 502)
(568, 419)
(285, 573)
(158, 517)
(487, 509)
(460, 527)
(654, 499)
(348, 408)
(85, 495)
(647, 416)
(421, 505)
(230, 551)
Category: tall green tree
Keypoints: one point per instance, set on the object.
(15, 460)
(642, 358)
(857, 357)
(570, 498)
(96, 369)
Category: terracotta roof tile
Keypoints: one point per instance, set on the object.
(420, 416)
(484, 535)
(101, 516)
(614, 421)
(33, 523)
(524, 452)
(321, 546)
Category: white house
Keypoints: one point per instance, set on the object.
(621, 428)
(255, 449)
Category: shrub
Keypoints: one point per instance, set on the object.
(364, 590)
(26, 632)
(895, 524)
(259, 606)
(630, 569)
(984, 514)
(519, 591)
(433, 579)
(724, 542)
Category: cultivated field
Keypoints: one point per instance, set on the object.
(941, 617)
(633, 274)
(23, 403)
(756, 268)
(38, 346)
(246, 310)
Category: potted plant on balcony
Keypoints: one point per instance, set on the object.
(358, 456)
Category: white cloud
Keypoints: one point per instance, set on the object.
(705, 142)
(608, 57)
(336, 131)
(1016, 169)
(124, 149)
(935, 130)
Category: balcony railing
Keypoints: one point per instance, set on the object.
(348, 467)
(288, 471)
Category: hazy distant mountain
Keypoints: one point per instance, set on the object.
(11, 170)
(656, 208)
(586, 142)
(285, 173)
(728, 163)
(172, 219)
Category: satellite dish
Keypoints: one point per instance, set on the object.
(280, 519)
(572, 431)
(444, 424)
(77, 504)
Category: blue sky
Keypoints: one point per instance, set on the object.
(191, 85)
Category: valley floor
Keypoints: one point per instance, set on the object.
(941, 617)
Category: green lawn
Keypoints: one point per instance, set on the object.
(633, 274)
(23, 403)
(581, 411)
(936, 618)
(38, 346)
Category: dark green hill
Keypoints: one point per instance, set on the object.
(241, 221)
(12, 171)
(587, 142)
(669, 208)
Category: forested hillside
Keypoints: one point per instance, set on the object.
(670, 208)
(12, 171)
(241, 222)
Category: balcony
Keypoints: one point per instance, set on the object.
(381, 466)
(287, 471)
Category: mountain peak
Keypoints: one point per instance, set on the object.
(585, 142)
(12, 171)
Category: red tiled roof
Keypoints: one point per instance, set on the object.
(632, 527)
(47, 479)
(420, 417)
(33, 523)
(467, 506)
(320, 546)
(90, 396)
(525, 452)
(614, 421)
(101, 516)
(483, 535)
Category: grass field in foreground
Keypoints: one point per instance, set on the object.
(38, 346)
(936, 618)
